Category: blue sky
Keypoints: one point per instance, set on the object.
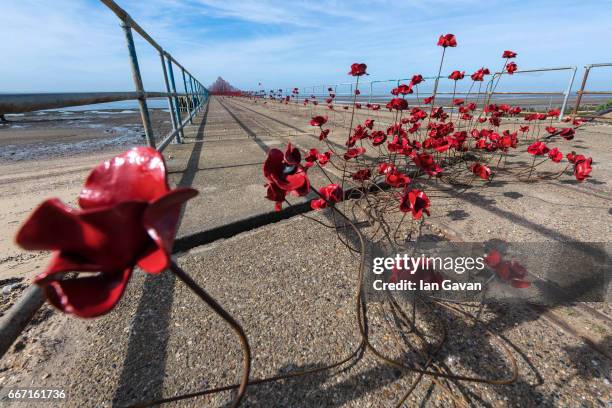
(77, 45)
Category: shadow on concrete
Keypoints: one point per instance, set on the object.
(145, 361)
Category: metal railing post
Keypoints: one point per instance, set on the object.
(193, 94)
(370, 98)
(587, 68)
(142, 98)
(567, 93)
(177, 112)
(170, 100)
(188, 97)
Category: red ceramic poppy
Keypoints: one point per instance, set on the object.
(537, 149)
(396, 179)
(555, 155)
(318, 121)
(571, 157)
(128, 217)
(508, 271)
(415, 201)
(384, 168)
(369, 123)
(331, 194)
(567, 133)
(511, 68)
(509, 54)
(358, 69)
(479, 75)
(456, 75)
(582, 167)
(354, 152)
(551, 129)
(417, 79)
(324, 134)
(515, 110)
(284, 177)
(311, 158)
(481, 171)
(403, 89)
(447, 40)
(378, 137)
(425, 162)
(323, 158)
(428, 100)
(398, 104)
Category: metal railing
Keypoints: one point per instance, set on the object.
(29, 102)
(195, 96)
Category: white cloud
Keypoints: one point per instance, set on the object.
(77, 45)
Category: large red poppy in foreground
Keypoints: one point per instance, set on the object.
(128, 217)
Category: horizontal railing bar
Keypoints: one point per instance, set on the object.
(21, 103)
(125, 17)
(166, 141)
(602, 64)
(519, 71)
(17, 317)
(595, 92)
(501, 93)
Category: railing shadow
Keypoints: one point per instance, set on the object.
(145, 360)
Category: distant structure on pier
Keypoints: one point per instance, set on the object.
(222, 87)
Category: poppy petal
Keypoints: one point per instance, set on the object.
(160, 219)
(62, 262)
(89, 296)
(136, 175)
(41, 230)
(110, 238)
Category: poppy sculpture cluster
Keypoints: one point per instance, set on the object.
(393, 160)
